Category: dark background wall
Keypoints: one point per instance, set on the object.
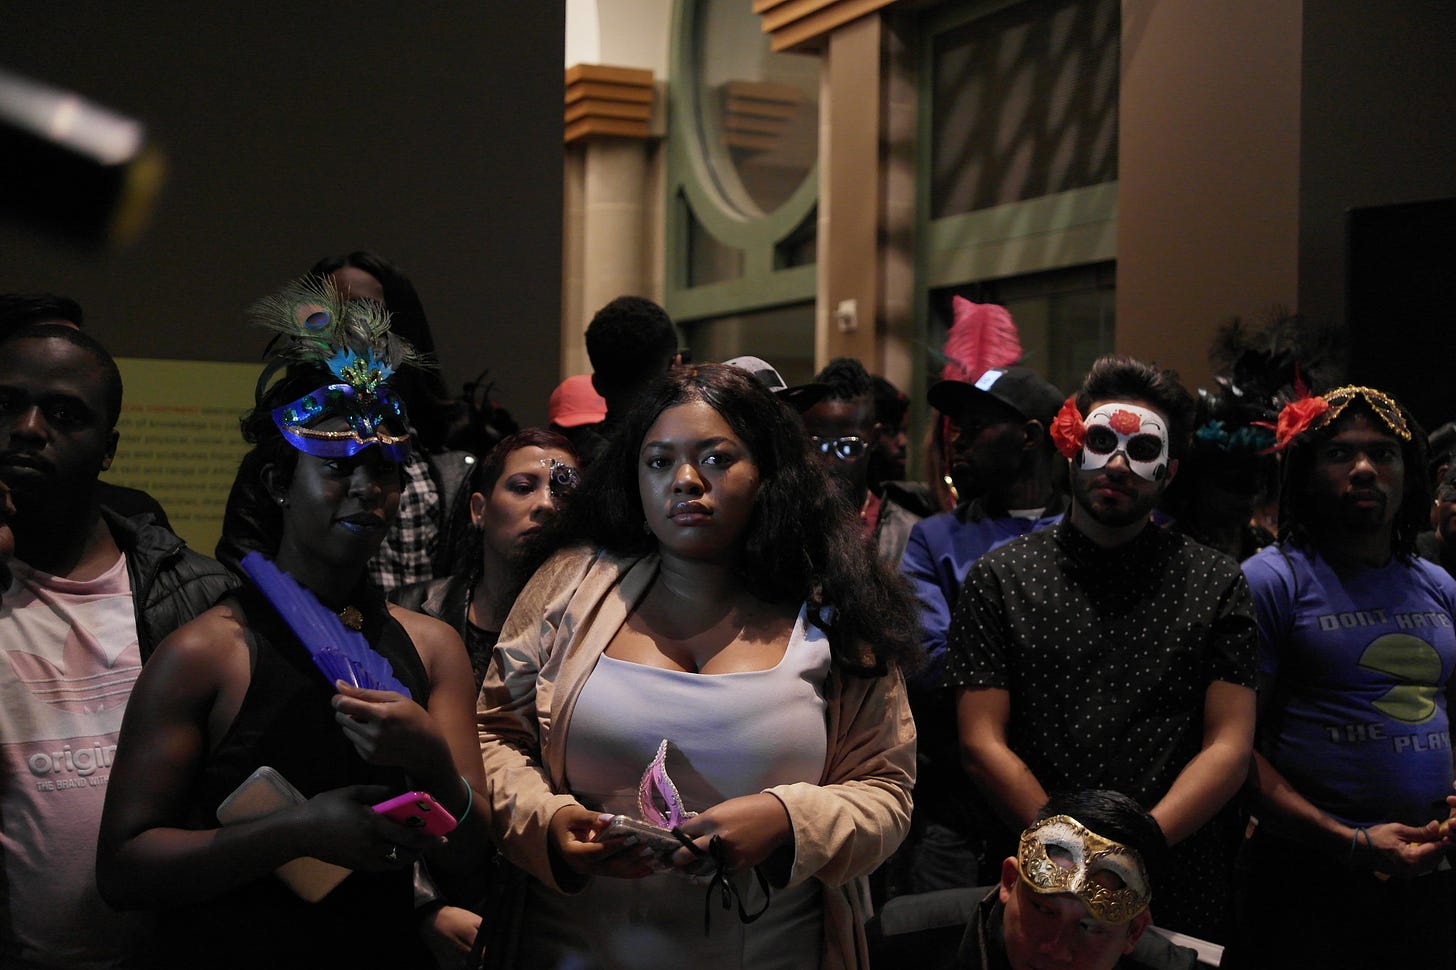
(1208, 173)
(1378, 125)
(430, 133)
(1378, 137)
(1253, 137)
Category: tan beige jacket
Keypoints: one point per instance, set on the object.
(844, 827)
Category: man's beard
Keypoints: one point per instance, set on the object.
(1138, 508)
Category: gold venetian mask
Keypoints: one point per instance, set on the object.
(1061, 855)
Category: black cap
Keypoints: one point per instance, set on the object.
(1022, 389)
(800, 397)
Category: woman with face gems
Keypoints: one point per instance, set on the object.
(242, 687)
(514, 493)
(713, 654)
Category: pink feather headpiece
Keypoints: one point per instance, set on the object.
(982, 336)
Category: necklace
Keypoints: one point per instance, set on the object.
(352, 618)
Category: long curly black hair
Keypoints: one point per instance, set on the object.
(802, 543)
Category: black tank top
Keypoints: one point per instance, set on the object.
(287, 723)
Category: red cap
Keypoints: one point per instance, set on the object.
(575, 402)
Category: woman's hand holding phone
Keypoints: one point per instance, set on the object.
(343, 829)
(576, 838)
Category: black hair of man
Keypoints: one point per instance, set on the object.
(19, 310)
(847, 380)
(630, 342)
(110, 375)
(1119, 378)
(1117, 817)
(1441, 445)
(890, 402)
(1296, 519)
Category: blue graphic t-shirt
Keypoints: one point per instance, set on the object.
(1358, 664)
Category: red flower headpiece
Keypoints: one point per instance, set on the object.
(1068, 429)
(1308, 412)
(1295, 418)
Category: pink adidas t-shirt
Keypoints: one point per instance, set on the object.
(71, 658)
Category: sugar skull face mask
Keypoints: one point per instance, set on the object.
(1061, 855)
(1141, 435)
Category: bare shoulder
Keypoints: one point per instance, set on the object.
(213, 628)
(428, 633)
(198, 651)
(440, 649)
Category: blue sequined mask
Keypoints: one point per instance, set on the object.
(375, 417)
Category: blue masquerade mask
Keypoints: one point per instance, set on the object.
(375, 418)
(317, 327)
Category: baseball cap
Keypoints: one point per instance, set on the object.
(575, 402)
(1020, 388)
(800, 397)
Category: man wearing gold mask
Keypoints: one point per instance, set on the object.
(1077, 892)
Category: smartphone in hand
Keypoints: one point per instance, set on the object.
(662, 842)
(264, 792)
(418, 810)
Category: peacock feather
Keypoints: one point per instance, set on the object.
(314, 324)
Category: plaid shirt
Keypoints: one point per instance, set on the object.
(406, 553)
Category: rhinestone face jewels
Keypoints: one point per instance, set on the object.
(1378, 401)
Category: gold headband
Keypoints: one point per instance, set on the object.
(1382, 404)
(1061, 855)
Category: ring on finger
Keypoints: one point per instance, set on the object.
(393, 854)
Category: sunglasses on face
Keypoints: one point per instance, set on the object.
(847, 448)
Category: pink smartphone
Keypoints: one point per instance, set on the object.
(417, 810)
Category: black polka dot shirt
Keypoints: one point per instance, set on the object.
(1106, 653)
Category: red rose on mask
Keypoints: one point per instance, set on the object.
(1125, 422)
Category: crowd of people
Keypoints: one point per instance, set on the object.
(699, 676)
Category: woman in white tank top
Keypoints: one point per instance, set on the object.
(714, 617)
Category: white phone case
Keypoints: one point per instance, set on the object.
(264, 792)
